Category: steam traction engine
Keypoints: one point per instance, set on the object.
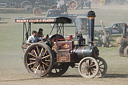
(54, 55)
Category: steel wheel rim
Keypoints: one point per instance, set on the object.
(102, 67)
(88, 67)
(25, 3)
(38, 60)
(37, 11)
(73, 5)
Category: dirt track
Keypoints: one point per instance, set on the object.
(13, 72)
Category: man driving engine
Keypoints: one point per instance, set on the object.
(33, 38)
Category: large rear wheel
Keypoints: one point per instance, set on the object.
(38, 59)
(88, 67)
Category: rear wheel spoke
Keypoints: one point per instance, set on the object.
(45, 64)
(44, 52)
(33, 67)
(46, 57)
(31, 54)
(43, 68)
(47, 60)
(40, 69)
(33, 59)
(31, 63)
(41, 52)
(36, 69)
(37, 50)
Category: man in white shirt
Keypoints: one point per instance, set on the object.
(33, 38)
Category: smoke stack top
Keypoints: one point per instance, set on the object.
(91, 14)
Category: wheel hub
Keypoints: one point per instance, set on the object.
(88, 67)
(38, 59)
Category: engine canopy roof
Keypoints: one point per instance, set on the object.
(44, 20)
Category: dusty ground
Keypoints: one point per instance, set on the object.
(13, 72)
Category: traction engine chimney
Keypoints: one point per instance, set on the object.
(91, 21)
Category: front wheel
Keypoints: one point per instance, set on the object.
(88, 67)
(38, 59)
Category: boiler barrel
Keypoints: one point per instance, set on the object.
(86, 51)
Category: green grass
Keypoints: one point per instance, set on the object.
(116, 64)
